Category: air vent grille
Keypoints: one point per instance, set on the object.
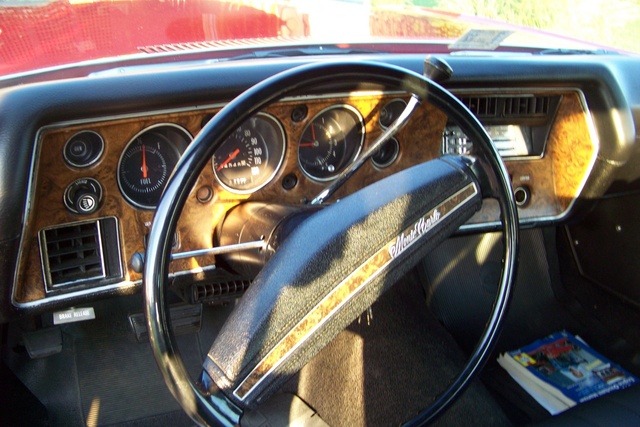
(481, 106)
(525, 106)
(207, 292)
(73, 253)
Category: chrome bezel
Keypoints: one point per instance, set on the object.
(126, 196)
(356, 153)
(404, 104)
(253, 189)
(389, 162)
(93, 160)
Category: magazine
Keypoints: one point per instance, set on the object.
(561, 370)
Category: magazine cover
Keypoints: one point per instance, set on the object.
(561, 371)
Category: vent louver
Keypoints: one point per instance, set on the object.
(481, 106)
(208, 292)
(74, 253)
(80, 253)
(526, 106)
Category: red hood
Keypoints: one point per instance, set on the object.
(35, 36)
(61, 32)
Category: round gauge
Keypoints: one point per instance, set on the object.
(330, 142)
(83, 149)
(147, 162)
(251, 156)
(391, 111)
(386, 154)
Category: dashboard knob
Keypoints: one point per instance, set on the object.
(86, 202)
(83, 196)
(137, 262)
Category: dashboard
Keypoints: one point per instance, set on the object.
(96, 163)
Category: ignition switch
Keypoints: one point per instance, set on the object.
(83, 196)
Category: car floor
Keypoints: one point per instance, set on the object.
(102, 376)
(550, 295)
(380, 370)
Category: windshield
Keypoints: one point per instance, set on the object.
(36, 34)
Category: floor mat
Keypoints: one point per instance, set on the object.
(119, 381)
(103, 376)
(118, 378)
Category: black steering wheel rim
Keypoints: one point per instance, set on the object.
(216, 409)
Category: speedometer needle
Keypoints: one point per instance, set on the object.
(231, 157)
(144, 162)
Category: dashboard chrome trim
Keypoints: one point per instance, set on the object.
(593, 134)
(117, 288)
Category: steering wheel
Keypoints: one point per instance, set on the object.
(336, 262)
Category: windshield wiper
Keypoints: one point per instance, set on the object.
(577, 52)
(303, 51)
(267, 53)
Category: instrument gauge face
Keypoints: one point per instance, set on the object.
(251, 156)
(147, 162)
(330, 142)
(391, 111)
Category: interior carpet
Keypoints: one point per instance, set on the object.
(118, 378)
(103, 376)
(386, 367)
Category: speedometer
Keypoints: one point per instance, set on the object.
(250, 158)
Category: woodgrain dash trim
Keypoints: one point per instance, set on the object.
(196, 228)
(348, 288)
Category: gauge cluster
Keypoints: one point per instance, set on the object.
(324, 144)
(302, 143)
(252, 156)
(318, 140)
(118, 167)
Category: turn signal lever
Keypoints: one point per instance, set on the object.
(254, 221)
